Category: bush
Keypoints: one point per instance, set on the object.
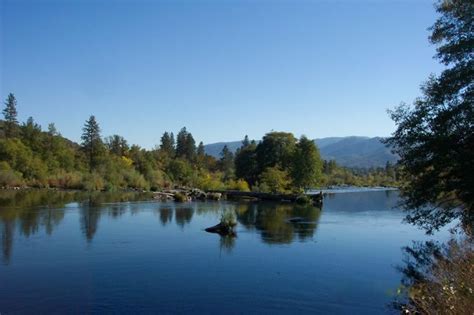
(304, 200)
(228, 218)
(208, 182)
(93, 182)
(136, 180)
(440, 281)
(240, 185)
(274, 180)
(67, 180)
(8, 177)
(179, 197)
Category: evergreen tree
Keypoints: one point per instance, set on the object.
(185, 145)
(10, 114)
(167, 144)
(227, 162)
(52, 131)
(435, 137)
(200, 150)
(181, 142)
(92, 142)
(245, 142)
(190, 147)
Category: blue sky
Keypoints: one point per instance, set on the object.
(223, 68)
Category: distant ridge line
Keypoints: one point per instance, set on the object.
(351, 151)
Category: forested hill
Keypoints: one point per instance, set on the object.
(360, 152)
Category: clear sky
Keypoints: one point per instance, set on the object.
(221, 68)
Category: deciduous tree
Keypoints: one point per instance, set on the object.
(435, 136)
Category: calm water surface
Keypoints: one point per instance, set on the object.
(76, 253)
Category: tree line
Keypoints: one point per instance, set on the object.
(30, 156)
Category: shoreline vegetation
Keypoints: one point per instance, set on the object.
(279, 163)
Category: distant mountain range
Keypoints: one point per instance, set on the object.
(362, 152)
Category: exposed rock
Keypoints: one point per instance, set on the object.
(162, 196)
(198, 194)
(214, 196)
(222, 229)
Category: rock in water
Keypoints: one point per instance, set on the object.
(222, 229)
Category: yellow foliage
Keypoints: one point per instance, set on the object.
(127, 161)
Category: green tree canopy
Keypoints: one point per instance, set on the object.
(246, 163)
(117, 145)
(435, 137)
(307, 164)
(274, 180)
(276, 148)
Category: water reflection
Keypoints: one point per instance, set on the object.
(227, 243)
(89, 221)
(280, 223)
(7, 240)
(183, 215)
(31, 212)
(115, 249)
(166, 215)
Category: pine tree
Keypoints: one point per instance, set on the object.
(167, 144)
(91, 142)
(181, 142)
(227, 162)
(190, 147)
(10, 114)
(245, 142)
(185, 145)
(200, 150)
(52, 131)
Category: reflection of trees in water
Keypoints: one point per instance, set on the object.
(32, 210)
(209, 207)
(7, 240)
(166, 215)
(34, 198)
(183, 215)
(117, 211)
(32, 219)
(19, 208)
(89, 221)
(227, 243)
(279, 223)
